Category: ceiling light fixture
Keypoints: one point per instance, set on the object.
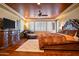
(38, 3)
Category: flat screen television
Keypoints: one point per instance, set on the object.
(8, 24)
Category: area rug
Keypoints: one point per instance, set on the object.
(31, 45)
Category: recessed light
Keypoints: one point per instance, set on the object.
(25, 16)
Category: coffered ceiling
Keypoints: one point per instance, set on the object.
(24, 8)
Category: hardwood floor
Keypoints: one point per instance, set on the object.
(46, 53)
(10, 51)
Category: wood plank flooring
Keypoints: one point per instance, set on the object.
(10, 51)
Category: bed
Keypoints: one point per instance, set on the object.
(66, 40)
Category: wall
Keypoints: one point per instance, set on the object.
(73, 14)
(4, 12)
(46, 9)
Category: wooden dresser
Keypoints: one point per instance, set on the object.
(8, 38)
(1, 38)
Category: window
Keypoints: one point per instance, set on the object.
(32, 26)
(49, 26)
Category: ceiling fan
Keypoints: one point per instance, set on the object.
(41, 14)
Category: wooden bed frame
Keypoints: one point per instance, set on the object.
(64, 46)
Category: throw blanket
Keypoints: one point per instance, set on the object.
(54, 38)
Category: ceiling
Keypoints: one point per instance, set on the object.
(24, 8)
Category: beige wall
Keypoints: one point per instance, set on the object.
(4, 12)
(73, 14)
(7, 14)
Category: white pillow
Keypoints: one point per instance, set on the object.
(75, 37)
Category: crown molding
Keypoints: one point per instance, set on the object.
(12, 11)
(69, 9)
